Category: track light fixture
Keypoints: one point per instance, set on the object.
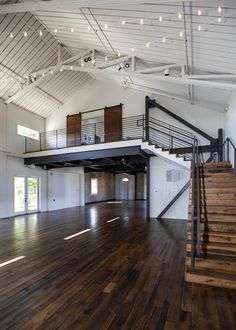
(126, 65)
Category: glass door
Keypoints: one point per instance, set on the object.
(19, 195)
(26, 194)
(32, 194)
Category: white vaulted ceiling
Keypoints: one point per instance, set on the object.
(206, 42)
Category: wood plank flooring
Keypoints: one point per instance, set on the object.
(126, 274)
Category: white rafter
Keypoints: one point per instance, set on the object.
(44, 73)
(172, 80)
(160, 68)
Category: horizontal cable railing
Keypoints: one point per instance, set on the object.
(169, 137)
(93, 133)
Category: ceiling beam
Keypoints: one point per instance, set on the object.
(159, 92)
(58, 65)
(171, 80)
(213, 76)
(159, 68)
(115, 62)
(45, 73)
(49, 96)
(24, 90)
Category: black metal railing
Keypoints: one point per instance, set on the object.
(195, 203)
(93, 133)
(169, 137)
(229, 153)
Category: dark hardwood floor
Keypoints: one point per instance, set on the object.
(126, 274)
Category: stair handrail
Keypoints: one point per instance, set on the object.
(196, 161)
(228, 142)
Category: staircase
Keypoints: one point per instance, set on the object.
(151, 148)
(216, 264)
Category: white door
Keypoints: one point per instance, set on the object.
(26, 195)
(124, 190)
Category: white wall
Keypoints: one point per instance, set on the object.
(230, 123)
(65, 188)
(103, 92)
(131, 186)
(10, 166)
(230, 118)
(162, 192)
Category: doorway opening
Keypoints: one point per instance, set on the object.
(26, 195)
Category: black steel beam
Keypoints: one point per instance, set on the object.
(220, 142)
(153, 104)
(147, 105)
(86, 155)
(148, 189)
(177, 196)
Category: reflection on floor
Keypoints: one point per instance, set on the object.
(123, 274)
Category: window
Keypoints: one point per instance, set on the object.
(27, 132)
(94, 186)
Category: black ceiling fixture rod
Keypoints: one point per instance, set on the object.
(154, 104)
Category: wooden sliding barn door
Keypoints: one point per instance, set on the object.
(113, 123)
(74, 130)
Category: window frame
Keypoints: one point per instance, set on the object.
(92, 192)
(32, 134)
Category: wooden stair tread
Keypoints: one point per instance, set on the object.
(222, 266)
(216, 265)
(217, 164)
(215, 257)
(213, 278)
